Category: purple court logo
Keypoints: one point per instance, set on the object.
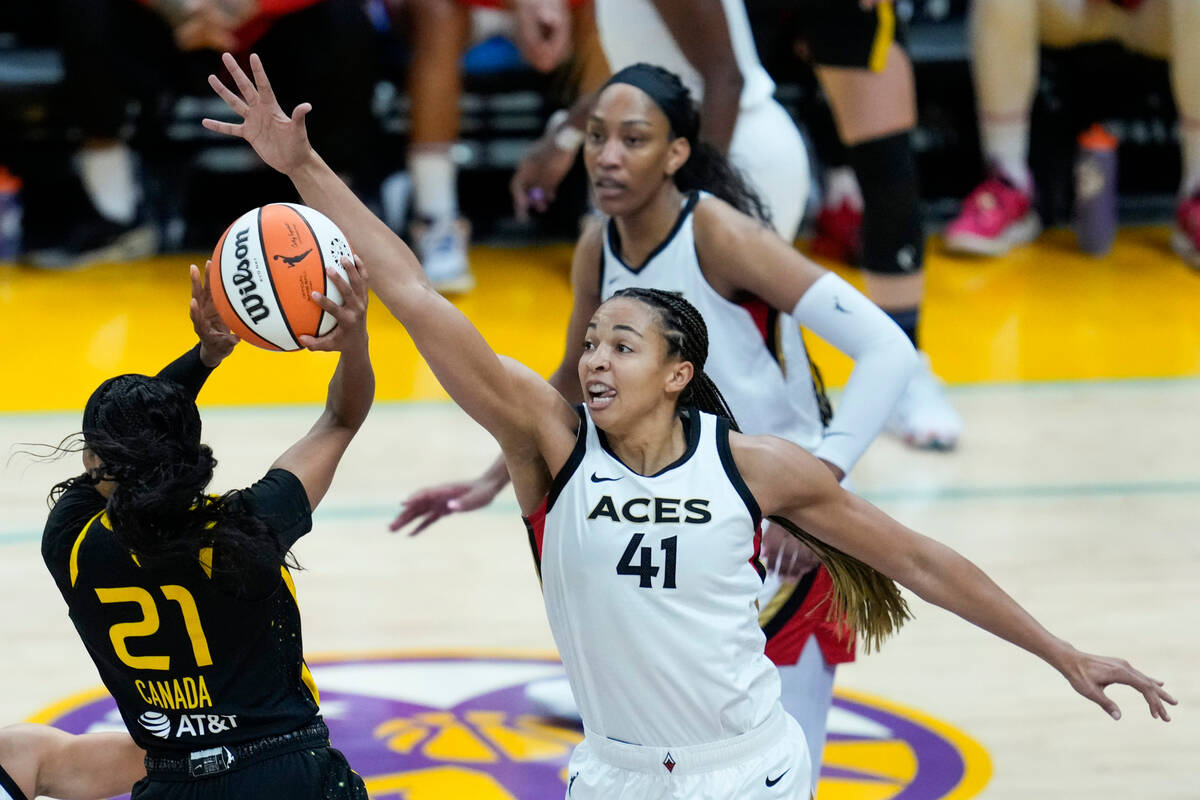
(460, 727)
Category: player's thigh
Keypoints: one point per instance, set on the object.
(1065, 23)
(769, 151)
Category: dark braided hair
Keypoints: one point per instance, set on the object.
(687, 337)
(706, 168)
(146, 434)
(866, 599)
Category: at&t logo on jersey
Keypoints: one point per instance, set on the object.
(461, 728)
(187, 725)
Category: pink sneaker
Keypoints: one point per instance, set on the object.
(996, 217)
(1185, 239)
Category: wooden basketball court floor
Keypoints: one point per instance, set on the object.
(1077, 486)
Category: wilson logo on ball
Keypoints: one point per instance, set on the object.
(265, 269)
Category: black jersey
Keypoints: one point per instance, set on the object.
(8, 787)
(193, 656)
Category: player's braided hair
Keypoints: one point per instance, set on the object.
(687, 337)
(869, 601)
(706, 169)
(146, 433)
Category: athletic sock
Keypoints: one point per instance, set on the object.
(1006, 147)
(1189, 146)
(107, 174)
(434, 182)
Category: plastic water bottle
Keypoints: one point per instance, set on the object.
(10, 215)
(1096, 191)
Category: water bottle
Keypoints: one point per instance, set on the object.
(1096, 191)
(10, 215)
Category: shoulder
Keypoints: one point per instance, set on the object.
(723, 233)
(776, 471)
(279, 500)
(78, 504)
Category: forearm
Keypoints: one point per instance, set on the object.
(189, 370)
(946, 578)
(352, 388)
(884, 360)
(719, 109)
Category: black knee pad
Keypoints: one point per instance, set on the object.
(892, 234)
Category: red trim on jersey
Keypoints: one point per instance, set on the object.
(759, 312)
(537, 526)
(754, 562)
(834, 637)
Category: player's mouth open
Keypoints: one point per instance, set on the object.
(600, 395)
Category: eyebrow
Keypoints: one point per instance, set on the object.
(620, 327)
(634, 121)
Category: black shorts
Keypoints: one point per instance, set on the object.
(318, 773)
(840, 34)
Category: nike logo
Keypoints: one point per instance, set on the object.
(611, 281)
(830, 434)
(771, 783)
(838, 306)
(597, 479)
(571, 783)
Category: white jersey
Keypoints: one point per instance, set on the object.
(632, 31)
(650, 586)
(756, 354)
(8, 787)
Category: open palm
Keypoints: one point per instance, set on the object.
(281, 141)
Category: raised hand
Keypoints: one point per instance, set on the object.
(280, 140)
(351, 315)
(430, 505)
(1089, 675)
(536, 179)
(216, 339)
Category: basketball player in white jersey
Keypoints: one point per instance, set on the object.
(644, 507)
(38, 760)
(710, 46)
(751, 303)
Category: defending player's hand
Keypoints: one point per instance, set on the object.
(430, 505)
(279, 140)
(1089, 675)
(785, 554)
(351, 315)
(538, 176)
(543, 32)
(216, 340)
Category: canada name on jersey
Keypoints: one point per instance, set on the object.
(653, 510)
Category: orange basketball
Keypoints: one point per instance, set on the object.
(265, 268)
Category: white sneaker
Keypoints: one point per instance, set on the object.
(922, 416)
(442, 247)
(552, 697)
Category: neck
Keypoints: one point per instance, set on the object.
(652, 442)
(647, 227)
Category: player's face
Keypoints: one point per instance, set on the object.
(624, 368)
(628, 149)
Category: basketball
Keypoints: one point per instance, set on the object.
(265, 268)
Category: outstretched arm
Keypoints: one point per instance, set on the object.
(789, 482)
(47, 761)
(501, 399)
(426, 506)
(192, 369)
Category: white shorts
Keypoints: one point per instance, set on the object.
(769, 152)
(768, 763)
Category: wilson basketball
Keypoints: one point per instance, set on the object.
(266, 267)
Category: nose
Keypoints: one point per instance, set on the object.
(610, 153)
(596, 360)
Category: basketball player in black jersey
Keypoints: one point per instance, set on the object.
(182, 598)
(38, 760)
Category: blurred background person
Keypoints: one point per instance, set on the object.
(122, 53)
(1005, 39)
(545, 32)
